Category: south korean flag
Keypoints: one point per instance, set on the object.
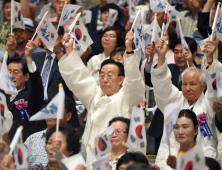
(16, 13)
(137, 137)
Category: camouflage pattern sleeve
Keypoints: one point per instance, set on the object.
(4, 31)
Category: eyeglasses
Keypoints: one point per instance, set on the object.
(118, 132)
(109, 76)
(109, 36)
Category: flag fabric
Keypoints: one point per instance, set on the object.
(216, 23)
(101, 163)
(175, 15)
(192, 159)
(160, 5)
(150, 29)
(156, 31)
(81, 35)
(86, 16)
(79, 48)
(5, 117)
(137, 136)
(166, 21)
(6, 82)
(138, 32)
(102, 143)
(51, 110)
(183, 41)
(214, 73)
(218, 29)
(111, 18)
(72, 161)
(171, 113)
(47, 33)
(16, 13)
(68, 12)
(132, 8)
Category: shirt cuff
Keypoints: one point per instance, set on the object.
(32, 67)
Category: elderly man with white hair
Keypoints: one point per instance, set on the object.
(193, 85)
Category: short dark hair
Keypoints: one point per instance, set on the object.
(116, 51)
(172, 33)
(212, 164)
(111, 6)
(190, 115)
(72, 137)
(138, 166)
(190, 41)
(132, 156)
(121, 119)
(119, 35)
(118, 64)
(20, 60)
(68, 104)
(61, 29)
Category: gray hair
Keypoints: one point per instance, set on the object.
(202, 77)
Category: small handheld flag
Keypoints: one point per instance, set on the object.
(15, 139)
(165, 21)
(213, 34)
(101, 163)
(111, 18)
(160, 6)
(87, 16)
(72, 161)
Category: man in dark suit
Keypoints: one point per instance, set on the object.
(28, 101)
(47, 65)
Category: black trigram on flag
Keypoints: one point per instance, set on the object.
(16, 19)
(16, 8)
(84, 38)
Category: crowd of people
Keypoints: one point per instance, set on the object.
(109, 79)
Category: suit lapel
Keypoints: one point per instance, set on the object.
(53, 69)
(20, 95)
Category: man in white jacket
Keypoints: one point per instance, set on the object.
(110, 99)
(193, 85)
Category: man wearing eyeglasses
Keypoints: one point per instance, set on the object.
(108, 100)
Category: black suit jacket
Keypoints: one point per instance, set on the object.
(54, 79)
(34, 96)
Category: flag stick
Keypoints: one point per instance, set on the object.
(59, 109)
(214, 23)
(188, 64)
(163, 25)
(12, 12)
(37, 29)
(15, 139)
(73, 24)
(61, 15)
(154, 25)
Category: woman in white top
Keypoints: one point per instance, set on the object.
(185, 131)
(111, 38)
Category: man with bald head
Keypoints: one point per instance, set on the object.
(193, 85)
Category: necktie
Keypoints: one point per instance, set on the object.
(46, 70)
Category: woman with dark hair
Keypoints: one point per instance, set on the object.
(185, 132)
(110, 39)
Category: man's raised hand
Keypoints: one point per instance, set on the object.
(67, 38)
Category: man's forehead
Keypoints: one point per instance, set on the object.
(15, 66)
(109, 68)
(192, 73)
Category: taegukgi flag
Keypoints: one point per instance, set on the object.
(160, 5)
(102, 143)
(86, 16)
(132, 7)
(6, 81)
(111, 18)
(69, 11)
(81, 35)
(137, 136)
(192, 159)
(218, 28)
(5, 117)
(183, 41)
(217, 22)
(47, 33)
(51, 110)
(138, 31)
(101, 163)
(156, 31)
(16, 15)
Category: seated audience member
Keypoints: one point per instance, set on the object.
(108, 100)
(29, 99)
(5, 27)
(138, 166)
(193, 85)
(117, 55)
(17, 43)
(129, 159)
(111, 38)
(48, 60)
(118, 137)
(211, 164)
(37, 140)
(185, 132)
(65, 145)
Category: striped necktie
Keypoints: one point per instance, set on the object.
(45, 73)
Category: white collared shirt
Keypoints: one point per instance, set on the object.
(46, 86)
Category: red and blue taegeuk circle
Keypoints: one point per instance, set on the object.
(78, 33)
(139, 131)
(189, 166)
(20, 156)
(19, 15)
(102, 144)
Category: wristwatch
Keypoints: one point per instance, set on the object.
(57, 52)
(130, 52)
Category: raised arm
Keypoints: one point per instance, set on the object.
(36, 95)
(76, 75)
(165, 92)
(133, 84)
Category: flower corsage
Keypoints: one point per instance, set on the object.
(202, 121)
(22, 105)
